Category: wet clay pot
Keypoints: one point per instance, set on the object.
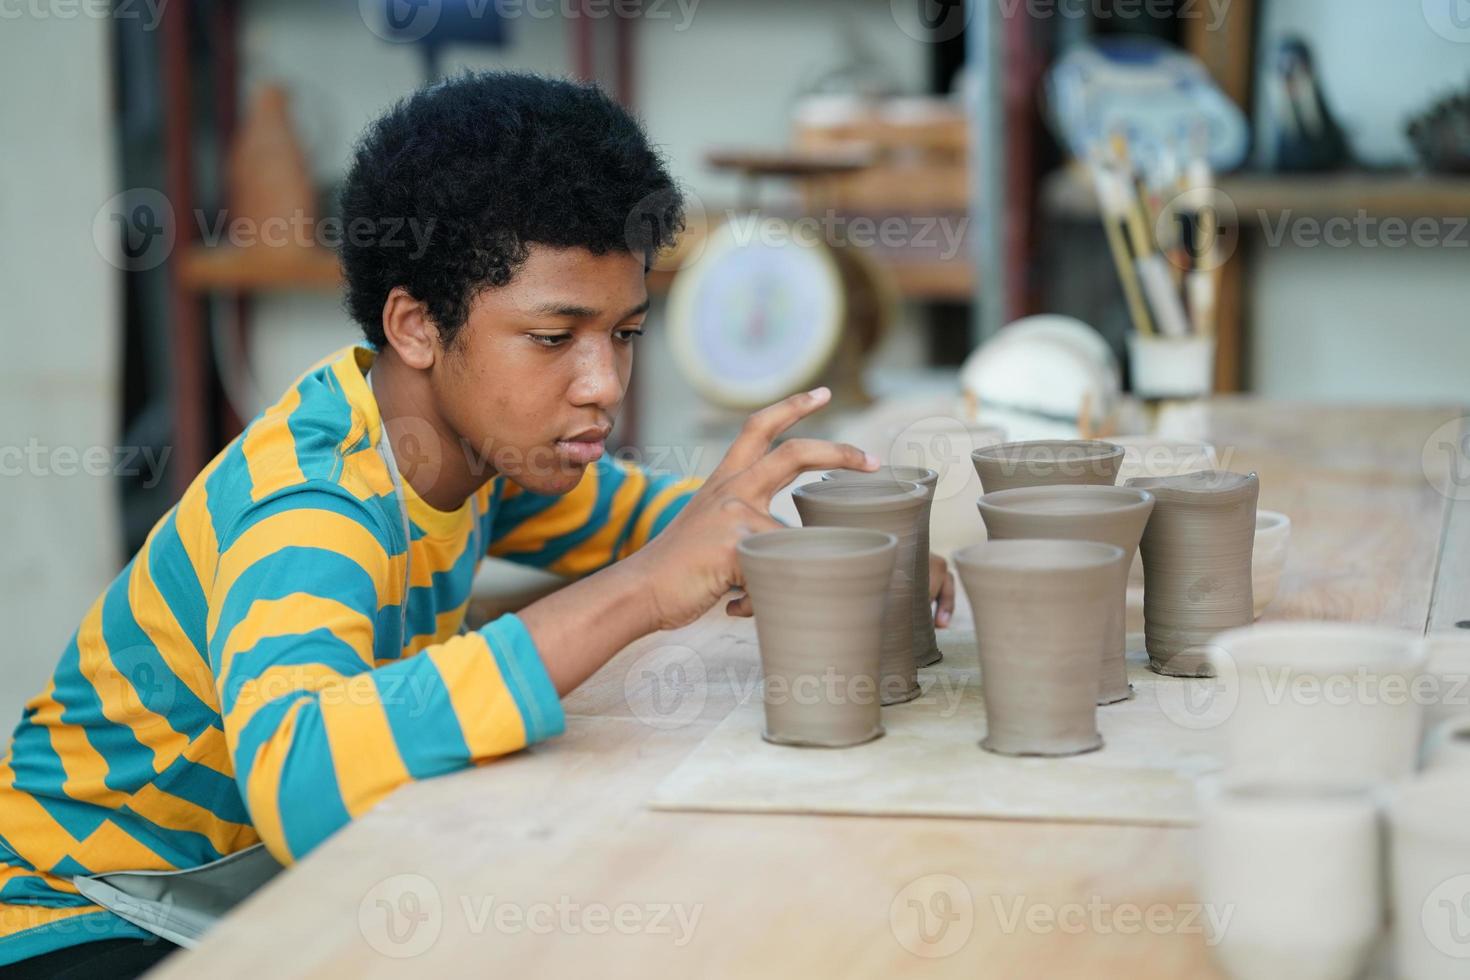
(818, 595)
(1047, 462)
(926, 645)
(1196, 565)
(945, 444)
(1041, 611)
(1429, 849)
(895, 509)
(1158, 456)
(1112, 515)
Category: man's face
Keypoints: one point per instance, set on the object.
(535, 377)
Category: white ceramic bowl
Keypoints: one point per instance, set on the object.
(1273, 534)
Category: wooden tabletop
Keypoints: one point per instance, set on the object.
(548, 863)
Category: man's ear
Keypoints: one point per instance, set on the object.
(410, 330)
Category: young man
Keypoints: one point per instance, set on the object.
(286, 648)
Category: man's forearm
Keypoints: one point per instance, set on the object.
(579, 628)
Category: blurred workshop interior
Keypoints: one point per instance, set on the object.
(954, 167)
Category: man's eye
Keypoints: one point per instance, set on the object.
(552, 339)
(626, 336)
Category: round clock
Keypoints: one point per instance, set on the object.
(764, 312)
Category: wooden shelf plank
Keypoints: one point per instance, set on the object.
(260, 269)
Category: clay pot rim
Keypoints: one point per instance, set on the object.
(1267, 791)
(1260, 645)
(1097, 451)
(772, 544)
(1158, 486)
(924, 475)
(883, 499)
(1004, 501)
(1434, 803)
(1272, 520)
(1087, 555)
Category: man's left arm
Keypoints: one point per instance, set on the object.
(615, 510)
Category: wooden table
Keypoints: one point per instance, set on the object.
(548, 863)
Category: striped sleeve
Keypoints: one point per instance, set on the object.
(305, 589)
(614, 511)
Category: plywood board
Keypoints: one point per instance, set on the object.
(930, 764)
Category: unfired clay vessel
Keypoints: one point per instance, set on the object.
(1429, 847)
(1196, 565)
(897, 510)
(943, 441)
(926, 645)
(1046, 462)
(1112, 515)
(1160, 456)
(818, 600)
(1040, 612)
(1298, 865)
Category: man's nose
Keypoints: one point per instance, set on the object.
(598, 381)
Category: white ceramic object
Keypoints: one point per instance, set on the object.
(1047, 368)
(1446, 677)
(1448, 746)
(1429, 847)
(1273, 534)
(1321, 700)
(1171, 367)
(1297, 868)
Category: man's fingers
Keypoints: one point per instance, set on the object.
(740, 606)
(779, 467)
(944, 612)
(762, 428)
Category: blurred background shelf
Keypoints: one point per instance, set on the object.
(1067, 193)
(226, 269)
(205, 268)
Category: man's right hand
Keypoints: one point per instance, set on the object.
(692, 563)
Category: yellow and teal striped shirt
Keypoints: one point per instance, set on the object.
(262, 670)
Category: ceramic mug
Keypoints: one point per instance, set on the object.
(1322, 699)
(1297, 865)
(1429, 847)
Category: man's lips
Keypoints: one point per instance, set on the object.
(586, 446)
